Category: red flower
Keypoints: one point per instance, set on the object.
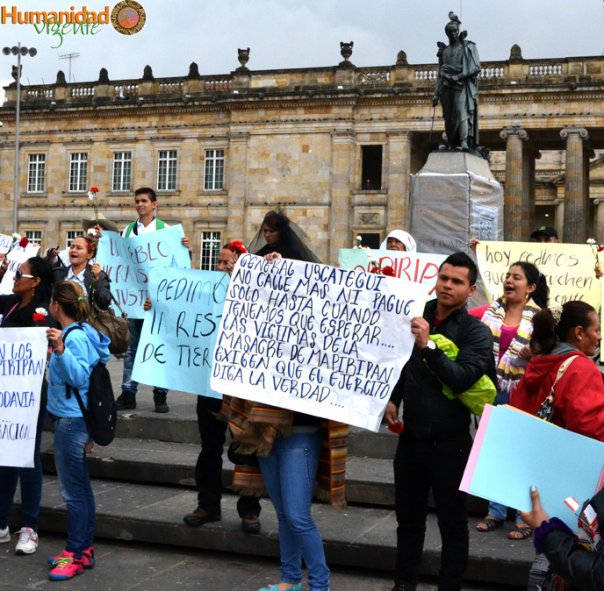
(94, 189)
(37, 318)
(374, 269)
(23, 242)
(237, 246)
(389, 271)
(600, 249)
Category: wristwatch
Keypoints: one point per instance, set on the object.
(431, 346)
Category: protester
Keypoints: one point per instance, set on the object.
(145, 200)
(91, 278)
(30, 292)
(287, 445)
(70, 366)
(278, 234)
(510, 319)
(208, 470)
(399, 240)
(578, 395)
(435, 444)
(581, 568)
(545, 234)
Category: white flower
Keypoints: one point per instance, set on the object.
(359, 238)
(91, 232)
(591, 241)
(42, 311)
(91, 195)
(16, 237)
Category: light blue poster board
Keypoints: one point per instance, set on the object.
(179, 332)
(128, 262)
(514, 450)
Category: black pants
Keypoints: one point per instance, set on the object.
(208, 470)
(421, 465)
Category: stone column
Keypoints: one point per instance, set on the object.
(399, 170)
(340, 211)
(519, 187)
(559, 218)
(236, 175)
(576, 187)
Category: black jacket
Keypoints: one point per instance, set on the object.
(102, 293)
(582, 569)
(427, 412)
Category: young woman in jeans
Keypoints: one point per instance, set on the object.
(31, 290)
(74, 355)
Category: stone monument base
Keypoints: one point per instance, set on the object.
(455, 198)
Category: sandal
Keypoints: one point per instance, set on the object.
(520, 533)
(489, 524)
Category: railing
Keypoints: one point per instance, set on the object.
(493, 73)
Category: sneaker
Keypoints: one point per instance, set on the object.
(28, 541)
(66, 568)
(250, 524)
(88, 560)
(4, 535)
(199, 517)
(126, 401)
(159, 398)
(275, 587)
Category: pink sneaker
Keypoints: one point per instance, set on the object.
(66, 568)
(87, 559)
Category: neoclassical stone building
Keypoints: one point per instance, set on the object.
(333, 146)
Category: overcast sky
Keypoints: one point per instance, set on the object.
(300, 33)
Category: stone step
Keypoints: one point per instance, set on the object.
(369, 481)
(361, 537)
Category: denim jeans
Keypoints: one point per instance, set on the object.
(128, 384)
(70, 460)
(501, 512)
(31, 484)
(289, 473)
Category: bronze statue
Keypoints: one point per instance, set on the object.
(457, 88)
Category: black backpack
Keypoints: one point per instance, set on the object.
(101, 414)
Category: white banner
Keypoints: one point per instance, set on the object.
(22, 365)
(15, 257)
(316, 339)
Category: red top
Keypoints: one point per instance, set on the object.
(578, 395)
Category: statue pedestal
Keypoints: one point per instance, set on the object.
(455, 198)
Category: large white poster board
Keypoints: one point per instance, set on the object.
(316, 339)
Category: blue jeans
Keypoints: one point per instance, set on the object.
(31, 484)
(128, 384)
(289, 473)
(70, 460)
(501, 512)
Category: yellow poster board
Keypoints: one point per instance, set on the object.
(569, 268)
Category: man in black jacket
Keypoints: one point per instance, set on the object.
(433, 448)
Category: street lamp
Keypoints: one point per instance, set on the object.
(19, 51)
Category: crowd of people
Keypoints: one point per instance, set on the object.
(537, 358)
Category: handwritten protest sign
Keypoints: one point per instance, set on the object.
(316, 339)
(418, 267)
(128, 261)
(177, 341)
(15, 257)
(568, 268)
(22, 365)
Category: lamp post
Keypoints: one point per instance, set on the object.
(19, 51)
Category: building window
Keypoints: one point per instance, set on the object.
(71, 236)
(370, 239)
(166, 170)
(371, 168)
(211, 243)
(36, 173)
(78, 171)
(214, 170)
(122, 171)
(34, 236)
